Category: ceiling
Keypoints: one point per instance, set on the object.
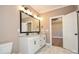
(46, 8)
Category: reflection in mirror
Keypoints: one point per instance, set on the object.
(28, 24)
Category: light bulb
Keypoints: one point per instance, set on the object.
(35, 16)
(21, 8)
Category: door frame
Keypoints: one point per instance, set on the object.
(78, 29)
(50, 31)
(50, 22)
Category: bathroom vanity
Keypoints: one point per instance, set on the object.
(31, 44)
(29, 24)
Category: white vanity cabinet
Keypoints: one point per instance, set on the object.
(31, 44)
(42, 41)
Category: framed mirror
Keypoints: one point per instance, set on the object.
(29, 24)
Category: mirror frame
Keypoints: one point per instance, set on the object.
(21, 24)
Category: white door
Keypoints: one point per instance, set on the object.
(70, 37)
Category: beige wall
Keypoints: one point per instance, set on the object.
(58, 12)
(9, 25)
(78, 7)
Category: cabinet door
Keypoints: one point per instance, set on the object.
(23, 45)
(43, 39)
(31, 45)
(36, 44)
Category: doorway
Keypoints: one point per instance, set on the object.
(56, 40)
(57, 35)
(70, 31)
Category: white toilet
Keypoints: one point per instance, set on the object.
(6, 48)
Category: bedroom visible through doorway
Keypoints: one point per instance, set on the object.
(57, 32)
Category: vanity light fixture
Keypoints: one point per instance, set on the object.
(35, 16)
(26, 10)
(21, 8)
(39, 18)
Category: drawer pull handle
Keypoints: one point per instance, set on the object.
(34, 42)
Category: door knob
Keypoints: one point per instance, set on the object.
(76, 34)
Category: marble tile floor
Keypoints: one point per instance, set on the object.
(54, 50)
